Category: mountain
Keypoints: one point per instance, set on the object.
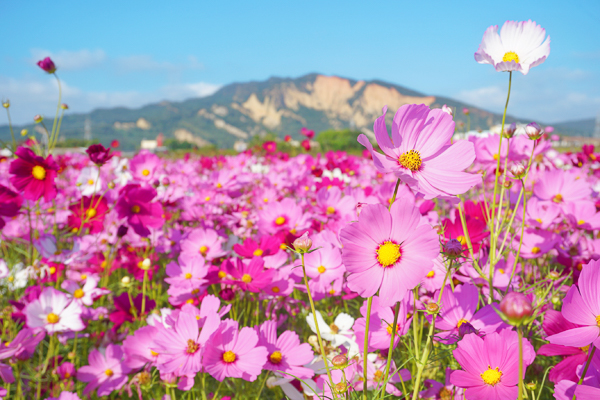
(240, 110)
(581, 127)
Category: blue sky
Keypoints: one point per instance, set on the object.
(131, 53)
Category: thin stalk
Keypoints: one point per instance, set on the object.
(366, 347)
(51, 138)
(393, 338)
(144, 291)
(261, 386)
(314, 312)
(585, 369)
(11, 131)
(521, 387)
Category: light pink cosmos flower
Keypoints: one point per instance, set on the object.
(323, 267)
(144, 166)
(105, 372)
(582, 306)
(54, 312)
(188, 273)
(204, 243)
(381, 325)
(561, 187)
(233, 354)
(87, 293)
(420, 151)
(519, 46)
(285, 215)
(137, 348)
(390, 251)
(286, 355)
(491, 365)
(249, 275)
(582, 215)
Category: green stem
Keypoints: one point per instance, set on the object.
(51, 138)
(218, 389)
(366, 346)
(521, 388)
(314, 312)
(585, 369)
(144, 292)
(11, 131)
(393, 338)
(424, 359)
(261, 386)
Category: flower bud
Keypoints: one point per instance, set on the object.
(509, 131)
(556, 300)
(516, 307)
(533, 131)
(465, 328)
(433, 308)
(47, 65)
(341, 387)
(122, 231)
(38, 118)
(340, 361)
(507, 184)
(313, 340)
(359, 208)
(64, 106)
(6, 104)
(126, 280)
(453, 248)
(518, 170)
(531, 386)
(227, 294)
(24, 132)
(111, 185)
(466, 111)
(447, 110)
(146, 264)
(303, 243)
(166, 181)
(554, 275)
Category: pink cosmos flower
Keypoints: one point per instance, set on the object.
(203, 243)
(10, 204)
(98, 154)
(251, 275)
(233, 354)
(180, 348)
(54, 312)
(519, 46)
(381, 325)
(286, 355)
(437, 390)
(491, 365)
(87, 293)
(47, 65)
(88, 213)
(420, 151)
(285, 215)
(124, 309)
(144, 165)
(106, 372)
(581, 306)
(268, 245)
(460, 307)
(536, 243)
(33, 175)
(390, 251)
(23, 345)
(582, 215)
(561, 187)
(323, 267)
(188, 273)
(135, 204)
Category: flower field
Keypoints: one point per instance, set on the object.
(425, 268)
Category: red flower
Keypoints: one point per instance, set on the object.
(135, 204)
(33, 175)
(99, 154)
(307, 132)
(10, 204)
(270, 147)
(47, 65)
(114, 144)
(287, 138)
(306, 144)
(90, 212)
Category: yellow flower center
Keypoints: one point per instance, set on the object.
(330, 210)
(275, 289)
(188, 276)
(91, 213)
(280, 221)
(334, 328)
(276, 357)
(219, 186)
(266, 200)
(580, 222)
(192, 347)
(501, 271)
(431, 274)
(598, 320)
(258, 252)
(539, 220)
(78, 293)
(411, 160)
(388, 253)
(389, 329)
(207, 198)
(153, 353)
(462, 321)
(52, 318)
(90, 182)
(491, 376)
(462, 240)
(135, 209)
(321, 269)
(203, 250)
(246, 278)
(109, 372)
(222, 274)
(495, 156)
(510, 56)
(52, 270)
(535, 250)
(145, 172)
(38, 172)
(558, 198)
(229, 356)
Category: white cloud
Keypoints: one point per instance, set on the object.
(30, 97)
(142, 62)
(71, 60)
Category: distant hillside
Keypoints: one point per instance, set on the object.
(582, 127)
(241, 110)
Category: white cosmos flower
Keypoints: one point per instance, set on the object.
(519, 46)
(338, 333)
(89, 181)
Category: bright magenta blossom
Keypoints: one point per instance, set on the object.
(34, 175)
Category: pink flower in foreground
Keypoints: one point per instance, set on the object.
(233, 354)
(33, 175)
(137, 348)
(420, 151)
(251, 276)
(390, 251)
(54, 312)
(135, 204)
(519, 46)
(491, 365)
(10, 204)
(582, 306)
(204, 243)
(106, 372)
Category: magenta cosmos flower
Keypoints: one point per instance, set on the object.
(491, 365)
(420, 151)
(519, 46)
(10, 204)
(54, 312)
(233, 354)
(33, 175)
(582, 306)
(47, 65)
(107, 372)
(390, 251)
(135, 204)
(251, 276)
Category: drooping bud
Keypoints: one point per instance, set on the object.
(516, 307)
(303, 243)
(509, 131)
(122, 231)
(38, 118)
(447, 110)
(340, 361)
(533, 131)
(64, 106)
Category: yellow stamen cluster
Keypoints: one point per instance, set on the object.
(246, 278)
(135, 209)
(510, 56)
(258, 252)
(280, 221)
(192, 347)
(598, 320)
(321, 269)
(229, 356)
(491, 376)
(462, 321)
(52, 318)
(330, 210)
(38, 172)
(91, 213)
(431, 274)
(276, 357)
(203, 250)
(78, 293)
(145, 172)
(411, 160)
(188, 276)
(388, 253)
(109, 372)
